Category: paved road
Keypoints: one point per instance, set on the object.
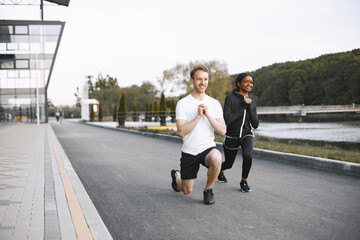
(127, 177)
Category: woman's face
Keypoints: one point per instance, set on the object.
(246, 84)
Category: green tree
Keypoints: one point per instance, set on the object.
(162, 112)
(140, 95)
(147, 112)
(106, 90)
(156, 111)
(92, 113)
(135, 113)
(351, 75)
(122, 110)
(219, 80)
(297, 87)
(100, 113)
(173, 111)
(311, 82)
(151, 113)
(296, 94)
(78, 98)
(177, 79)
(115, 112)
(70, 111)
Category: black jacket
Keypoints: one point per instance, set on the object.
(235, 109)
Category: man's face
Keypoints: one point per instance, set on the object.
(200, 81)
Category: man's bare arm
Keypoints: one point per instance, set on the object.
(184, 127)
(218, 124)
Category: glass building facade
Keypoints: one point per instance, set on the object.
(27, 54)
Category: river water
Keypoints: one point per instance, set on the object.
(330, 132)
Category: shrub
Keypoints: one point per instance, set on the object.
(122, 110)
(162, 112)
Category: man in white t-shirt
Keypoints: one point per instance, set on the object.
(197, 116)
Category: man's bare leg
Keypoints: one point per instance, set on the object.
(186, 186)
(213, 161)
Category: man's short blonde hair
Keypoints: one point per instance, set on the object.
(201, 67)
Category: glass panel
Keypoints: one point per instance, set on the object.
(21, 30)
(34, 39)
(50, 47)
(48, 63)
(22, 83)
(35, 47)
(41, 64)
(24, 46)
(51, 38)
(11, 84)
(37, 64)
(3, 74)
(5, 38)
(24, 74)
(11, 74)
(7, 63)
(6, 30)
(11, 46)
(33, 82)
(32, 63)
(21, 38)
(49, 56)
(22, 63)
(34, 29)
(52, 29)
(2, 46)
(4, 83)
(22, 56)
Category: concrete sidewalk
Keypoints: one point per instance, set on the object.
(41, 196)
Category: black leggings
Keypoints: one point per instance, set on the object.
(231, 146)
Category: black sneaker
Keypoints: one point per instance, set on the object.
(209, 197)
(222, 177)
(173, 183)
(244, 186)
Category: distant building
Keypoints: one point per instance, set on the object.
(28, 50)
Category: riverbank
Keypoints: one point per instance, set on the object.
(342, 151)
(339, 150)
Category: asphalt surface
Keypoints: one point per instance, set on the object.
(127, 177)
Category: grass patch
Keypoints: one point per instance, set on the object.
(310, 148)
(154, 130)
(342, 151)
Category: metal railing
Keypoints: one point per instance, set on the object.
(302, 110)
(144, 116)
(299, 110)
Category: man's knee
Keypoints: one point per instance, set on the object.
(215, 159)
(187, 190)
(187, 186)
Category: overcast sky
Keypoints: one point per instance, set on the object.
(136, 40)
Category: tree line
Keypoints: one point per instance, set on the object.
(330, 79)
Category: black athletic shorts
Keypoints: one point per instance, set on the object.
(190, 164)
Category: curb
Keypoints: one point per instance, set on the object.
(331, 165)
(93, 218)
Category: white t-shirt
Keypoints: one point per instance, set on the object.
(202, 136)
